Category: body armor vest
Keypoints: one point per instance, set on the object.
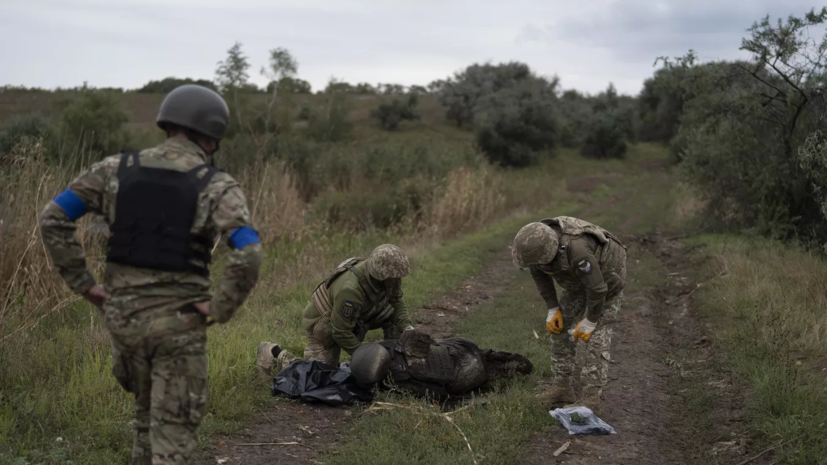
(379, 299)
(571, 228)
(154, 212)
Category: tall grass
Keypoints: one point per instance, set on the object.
(769, 313)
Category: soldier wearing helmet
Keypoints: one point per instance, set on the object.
(359, 295)
(165, 206)
(589, 264)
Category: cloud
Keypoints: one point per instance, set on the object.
(126, 43)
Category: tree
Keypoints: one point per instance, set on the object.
(166, 85)
(281, 65)
(231, 75)
(393, 113)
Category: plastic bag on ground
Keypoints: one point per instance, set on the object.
(590, 423)
(312, 381)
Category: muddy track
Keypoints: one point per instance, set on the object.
(318, 428)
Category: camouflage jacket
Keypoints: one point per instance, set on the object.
(141, 295)
(583, 264)
(353, 302)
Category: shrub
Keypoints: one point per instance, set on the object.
(32, 125)
(166, 85)
(333, 124)
(92, 122)
(390, 114)
(514, 124)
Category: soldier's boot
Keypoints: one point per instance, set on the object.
(590, 400)
(264, 358)
(556, 394)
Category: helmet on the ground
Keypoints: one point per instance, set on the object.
(388, 261)
(370, 364)
(535, 244)
(195, 107)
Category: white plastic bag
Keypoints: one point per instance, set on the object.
(591, 424)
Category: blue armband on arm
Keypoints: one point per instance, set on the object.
(71, 204)
(244, 236)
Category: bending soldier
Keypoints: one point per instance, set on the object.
(360, 295)
(164, 206)
(589, 264)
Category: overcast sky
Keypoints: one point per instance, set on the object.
(587, 43)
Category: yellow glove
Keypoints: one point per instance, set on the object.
(583, 330)
(554, 321)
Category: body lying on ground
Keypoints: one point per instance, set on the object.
(418, 364)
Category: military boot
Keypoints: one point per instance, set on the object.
(264, 359)
(592, 402)
(556, 394)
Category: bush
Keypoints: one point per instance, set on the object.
(393, 113)
(166, 85)
(607, 137)
(333, 124)
(32, 125)
(514, 124)
(91, 122)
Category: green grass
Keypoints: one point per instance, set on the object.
(768, 314)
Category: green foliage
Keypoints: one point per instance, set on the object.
(91, 122)
(390, 114)
(460, 94)
(32, 125)
(661, 104)
(166, 85)
(231, 77)
(292, 85)
(514, 124)
(742, 128)
(333, 123)
(609, 127)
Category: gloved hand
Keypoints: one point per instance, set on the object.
(583, 330)
(554, 321)
(407, 328)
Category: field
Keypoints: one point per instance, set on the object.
(718, 352)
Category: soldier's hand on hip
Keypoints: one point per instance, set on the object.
(96, 295)
(583, 331)
(203, 307)
(554, 320)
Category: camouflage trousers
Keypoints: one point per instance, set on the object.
(595, 361)
(164, 364)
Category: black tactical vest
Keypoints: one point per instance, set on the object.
(154, 212)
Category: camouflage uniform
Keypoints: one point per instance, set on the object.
(158, 337)
(589, 264)
(354, 300)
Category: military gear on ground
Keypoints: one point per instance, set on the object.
(312, 381)
(370, 364)
(158, 337)
(264, 358)
(591, 402)
(347, 304)
(555, 395)
(197, 108)
(388, 262)
(535, 244)
(583, 330)
(155, 210)
(452, 367)
(437, 370)
(554, 321)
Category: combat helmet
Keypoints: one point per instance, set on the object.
(197, 108)
(388, 261)
(535, 244)
(370, 364)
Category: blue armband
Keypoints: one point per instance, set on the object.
(244, 236)
(71, 204)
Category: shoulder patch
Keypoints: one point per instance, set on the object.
(584, 265)
(349, 309)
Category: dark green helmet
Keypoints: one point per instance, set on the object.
(195, 107)
(370, 364)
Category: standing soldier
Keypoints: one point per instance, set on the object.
(589, 264)
(165, 206)
(358, 296)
